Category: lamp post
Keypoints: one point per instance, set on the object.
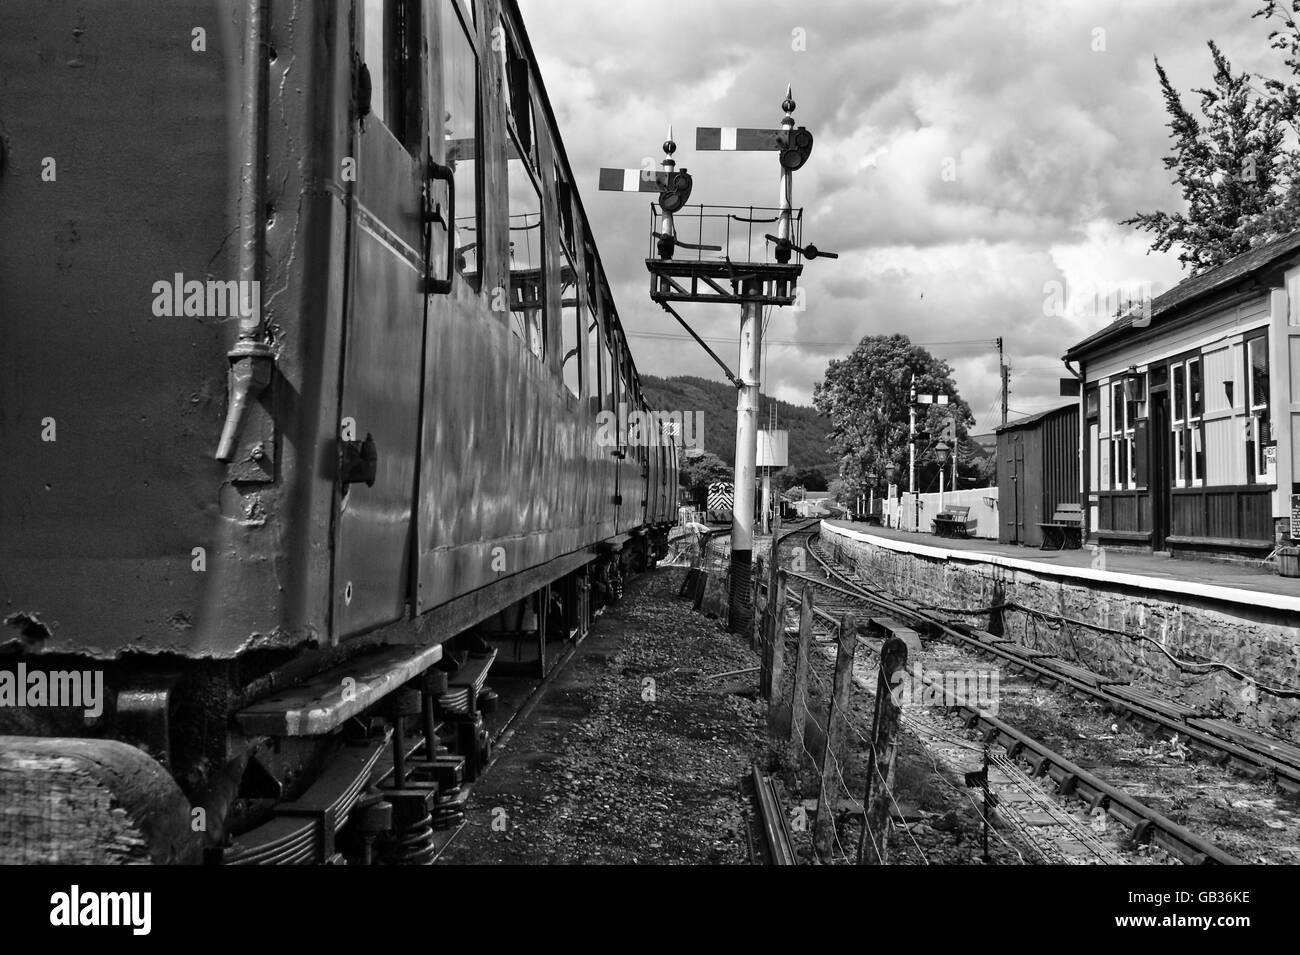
(941, 449)
(872, 478)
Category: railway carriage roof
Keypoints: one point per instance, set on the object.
(511, 8)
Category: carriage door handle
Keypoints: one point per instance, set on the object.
(432, 214)
(358, 462)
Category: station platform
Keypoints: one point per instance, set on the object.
(1215, 638)
(1230, 582)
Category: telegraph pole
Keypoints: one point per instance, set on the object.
(911, 454)
(742, 514)
(1003, 370)
(751, 284)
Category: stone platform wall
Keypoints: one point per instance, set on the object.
(1260, 642)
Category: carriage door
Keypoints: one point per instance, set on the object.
(384, 326)
(1015, 521)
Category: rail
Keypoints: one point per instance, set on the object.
(1146, 823)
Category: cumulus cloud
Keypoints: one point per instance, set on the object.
(1046, 118)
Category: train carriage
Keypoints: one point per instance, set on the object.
(306, 344)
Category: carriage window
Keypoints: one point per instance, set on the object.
(570, 327)
(606, 376)
(460, 130)
(564, 200)
(623, 403)
(593, 361)
(519, 107)
(527, 266)
(589, 257)
(390, 46)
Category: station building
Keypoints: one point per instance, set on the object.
(1188, 412)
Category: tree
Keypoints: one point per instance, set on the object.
(866, 398)
(705, 468)
(1284, 215)
(810, 479)
(1232, 170)
(980, 465)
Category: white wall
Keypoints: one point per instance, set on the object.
(982, 501)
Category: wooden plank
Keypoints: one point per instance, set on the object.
(880, 762)
(799, 696)
(775, 714)
(835, 754)
(326, 701)
(1281, 750)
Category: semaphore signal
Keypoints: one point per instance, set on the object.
(674, 189)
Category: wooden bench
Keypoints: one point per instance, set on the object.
(952, 522)
(1065, 529)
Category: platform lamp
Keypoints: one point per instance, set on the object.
(891, 470)
(872, 479)
(1133, 382)
(941, 449)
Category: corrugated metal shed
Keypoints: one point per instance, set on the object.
(1038, 470)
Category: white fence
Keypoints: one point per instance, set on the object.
(982, 519)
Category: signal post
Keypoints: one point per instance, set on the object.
(752, 282)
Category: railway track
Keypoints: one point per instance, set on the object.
(1114, 817)
(769, 836)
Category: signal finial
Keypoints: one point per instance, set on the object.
(789, 103)
(670, 147)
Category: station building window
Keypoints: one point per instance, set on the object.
(1127, 432)
(1261, 449)
(1195, 426)
(460, 131)
(1188, 408)
(1092, 414)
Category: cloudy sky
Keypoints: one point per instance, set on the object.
(1045, 116)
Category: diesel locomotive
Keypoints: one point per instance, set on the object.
(304, 342)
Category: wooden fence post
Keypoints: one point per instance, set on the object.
(761, 601)
(836, 723)
(880, 762)
(799, 697)
(776, 640)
